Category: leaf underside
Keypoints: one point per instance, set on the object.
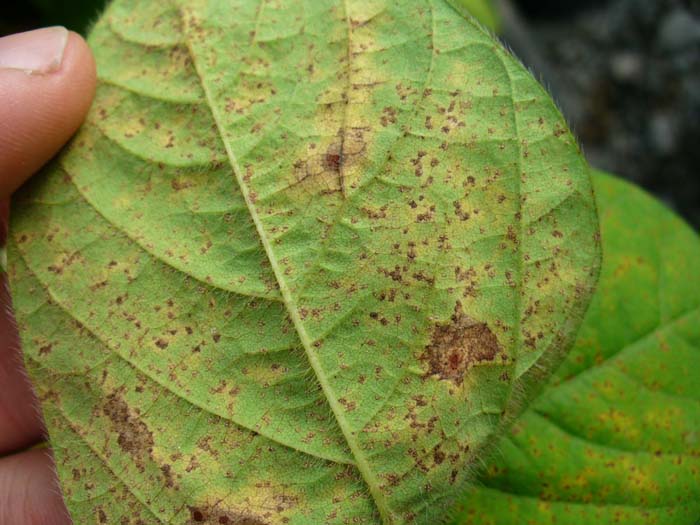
(483, 10)
(299, 263)
(615, 438)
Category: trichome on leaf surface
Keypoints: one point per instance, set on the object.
(305, 263)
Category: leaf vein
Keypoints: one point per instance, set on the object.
(164, 386)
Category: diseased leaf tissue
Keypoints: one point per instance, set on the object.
(300, 266)
(615, 436)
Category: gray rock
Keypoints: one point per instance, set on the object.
(663, 133)
(679, 30)
(626, 66)
(627, 76)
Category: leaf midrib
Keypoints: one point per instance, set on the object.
(362, 463)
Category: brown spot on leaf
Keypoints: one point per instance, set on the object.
(133, 436)
(332, 159)
(213, 515)
(328, 168)
(457, 346)
(168, 475)
(438, 457)
(388, 116)
(179, 185)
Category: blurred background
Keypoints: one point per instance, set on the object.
(626, 74)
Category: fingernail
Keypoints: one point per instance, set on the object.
(35, 52)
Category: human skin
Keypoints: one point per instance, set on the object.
(47, 83)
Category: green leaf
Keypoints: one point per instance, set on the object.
(483, 10)
(615, 438)
(298, 265)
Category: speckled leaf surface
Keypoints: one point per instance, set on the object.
(299, 263)
(615, 438)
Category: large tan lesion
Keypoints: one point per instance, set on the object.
(327, 165)
(213, 515)
(459, 345)
(133, 436)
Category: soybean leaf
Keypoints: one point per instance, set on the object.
(299, 264)
(615, 438)
(483, 10)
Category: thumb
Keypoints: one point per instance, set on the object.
(47, 82)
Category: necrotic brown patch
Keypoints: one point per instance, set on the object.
(212, 515)
(133, 436)
(328, 167)
(457, 346)
(332, 159)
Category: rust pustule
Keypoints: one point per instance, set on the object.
(457, 346)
